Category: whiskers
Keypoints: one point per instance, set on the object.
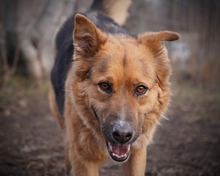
(164, 117)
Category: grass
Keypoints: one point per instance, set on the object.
(20, 94)
(199, 103)
(189, 92)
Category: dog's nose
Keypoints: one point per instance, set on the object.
(122, 132)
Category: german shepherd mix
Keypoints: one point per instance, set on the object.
(109, 91)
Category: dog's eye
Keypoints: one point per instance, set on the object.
(105, 87)
(140, 90)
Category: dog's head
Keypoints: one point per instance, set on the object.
(120, 83)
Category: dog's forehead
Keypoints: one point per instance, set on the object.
(129, 53)
(125, 58)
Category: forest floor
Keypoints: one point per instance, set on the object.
(31, 144)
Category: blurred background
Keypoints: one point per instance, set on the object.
(187, 144)
(28, 28)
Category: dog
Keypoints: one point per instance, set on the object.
(109, 90)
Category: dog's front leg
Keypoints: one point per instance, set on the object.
(136, 164)
(84, 169)
(80, 167)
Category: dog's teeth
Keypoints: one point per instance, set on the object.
(117, 155)
(122, 156)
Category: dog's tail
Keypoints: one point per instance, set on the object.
(115, 9)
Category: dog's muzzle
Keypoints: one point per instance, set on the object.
(118, 139)
(119, 147)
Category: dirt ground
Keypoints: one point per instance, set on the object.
(188, 144)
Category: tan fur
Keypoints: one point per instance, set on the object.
(117, 10)
(54, 108)
(125, 62)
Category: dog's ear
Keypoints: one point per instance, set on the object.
(87, 37)
(159, 36)
(154, 40)
(167, 36)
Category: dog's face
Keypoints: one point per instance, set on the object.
(120, 81)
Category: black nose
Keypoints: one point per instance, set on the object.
(122, 132)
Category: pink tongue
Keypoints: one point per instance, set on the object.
(120, 150)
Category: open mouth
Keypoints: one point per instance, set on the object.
(119, 153)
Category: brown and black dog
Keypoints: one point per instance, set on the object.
(109, 91)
